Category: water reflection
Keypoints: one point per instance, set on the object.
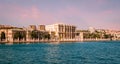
(66, 53)
(52, 54)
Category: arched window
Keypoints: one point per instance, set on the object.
(3, 36)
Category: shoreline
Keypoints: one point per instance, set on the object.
(56, 41)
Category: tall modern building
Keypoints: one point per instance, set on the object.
(62, 31)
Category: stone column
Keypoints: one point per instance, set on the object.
(81, 36)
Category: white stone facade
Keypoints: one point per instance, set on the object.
(62, 31)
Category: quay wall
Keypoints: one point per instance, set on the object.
(53, 40)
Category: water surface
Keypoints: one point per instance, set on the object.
(65, 53)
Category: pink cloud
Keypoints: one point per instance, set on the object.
(107, 12)
(18, 13)
(68, 11)
(31, 13)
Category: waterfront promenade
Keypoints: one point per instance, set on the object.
(52, 41)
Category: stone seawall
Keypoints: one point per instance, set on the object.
(50, 41)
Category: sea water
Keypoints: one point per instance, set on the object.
(104, 52)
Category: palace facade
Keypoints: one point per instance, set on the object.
(7, 33)
(54, 31)
(62, 31)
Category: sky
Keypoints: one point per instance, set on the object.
(100, 14)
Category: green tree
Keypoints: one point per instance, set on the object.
(108, 36)
(46, 35)
(86, 35)
(19, 35)
(40, 35)
(34, 34)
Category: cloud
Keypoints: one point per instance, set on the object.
(107, 12)
(31, 15)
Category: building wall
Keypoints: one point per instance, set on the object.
(32, 27)
(62, 31)
(9, 33)
(5, 31)
(41, 27)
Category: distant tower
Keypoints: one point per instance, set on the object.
(41, 27)
(32, 27)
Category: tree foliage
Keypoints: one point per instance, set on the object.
(19, 35)
(97, 34)
(108, 36)
(40, 35)
(34, 34)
